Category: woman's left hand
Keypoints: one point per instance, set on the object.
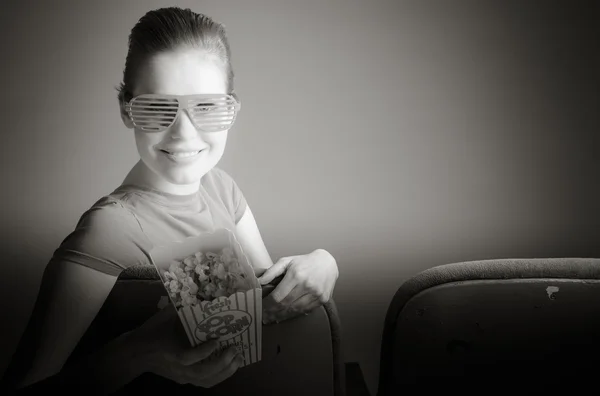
(308, 282)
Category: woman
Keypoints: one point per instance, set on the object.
(174, 191)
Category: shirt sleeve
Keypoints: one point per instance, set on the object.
(232, 196)
(107, 238)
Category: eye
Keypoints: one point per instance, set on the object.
(162, 106)
(204, 107)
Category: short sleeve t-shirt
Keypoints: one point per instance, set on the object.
(121, 228)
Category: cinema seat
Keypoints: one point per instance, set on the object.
(301, 356)
(481, 325)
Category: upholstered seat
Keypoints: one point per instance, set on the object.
(301, 356)
(493, 323)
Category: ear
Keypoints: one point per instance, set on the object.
(124, 116)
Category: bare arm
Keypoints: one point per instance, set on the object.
(248, 235)
(69, 298)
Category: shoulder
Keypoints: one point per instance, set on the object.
(108, 212)
(108, 222)
(107, 237)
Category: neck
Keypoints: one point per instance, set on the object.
(140, 175)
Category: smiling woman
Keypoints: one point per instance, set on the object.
(177, 96)
(174, 155)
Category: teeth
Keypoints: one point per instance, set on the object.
(184, 154)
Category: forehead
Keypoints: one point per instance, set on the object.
(181, 72)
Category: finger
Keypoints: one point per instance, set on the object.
(275, 270)
(287, 284)
(214, 363)
(297, 292)
(220, 370)
(297, 302)
(190, 356)
(306, 304)
(303, 305)
(227, 372)
(271, 307)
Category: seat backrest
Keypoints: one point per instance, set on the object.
(299, 356)
(509, 320)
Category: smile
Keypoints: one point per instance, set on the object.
(182, 157)
(181, 154)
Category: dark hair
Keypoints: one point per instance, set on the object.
(170, 28)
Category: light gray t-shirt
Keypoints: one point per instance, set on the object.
(121, 228)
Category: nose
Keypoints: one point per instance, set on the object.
(183, 128)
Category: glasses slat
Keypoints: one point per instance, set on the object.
(210, 113)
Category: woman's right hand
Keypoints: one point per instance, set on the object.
(167, 352)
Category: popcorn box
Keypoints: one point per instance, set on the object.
(235, 318)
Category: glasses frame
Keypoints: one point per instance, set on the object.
(183, 102)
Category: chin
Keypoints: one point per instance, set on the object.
(183, 180)
(181, 175)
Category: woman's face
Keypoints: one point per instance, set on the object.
(181, 72)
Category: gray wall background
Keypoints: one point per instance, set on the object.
(399, 135)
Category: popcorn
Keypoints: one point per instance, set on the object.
(214, 289)
(204, 276)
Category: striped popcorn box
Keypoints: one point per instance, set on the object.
(212, 285)
(234, 320)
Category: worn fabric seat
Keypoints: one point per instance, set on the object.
(494, 323)
(300, 356)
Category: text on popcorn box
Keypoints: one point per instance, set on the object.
(223, 325)
(216, 306)
(242, 330)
